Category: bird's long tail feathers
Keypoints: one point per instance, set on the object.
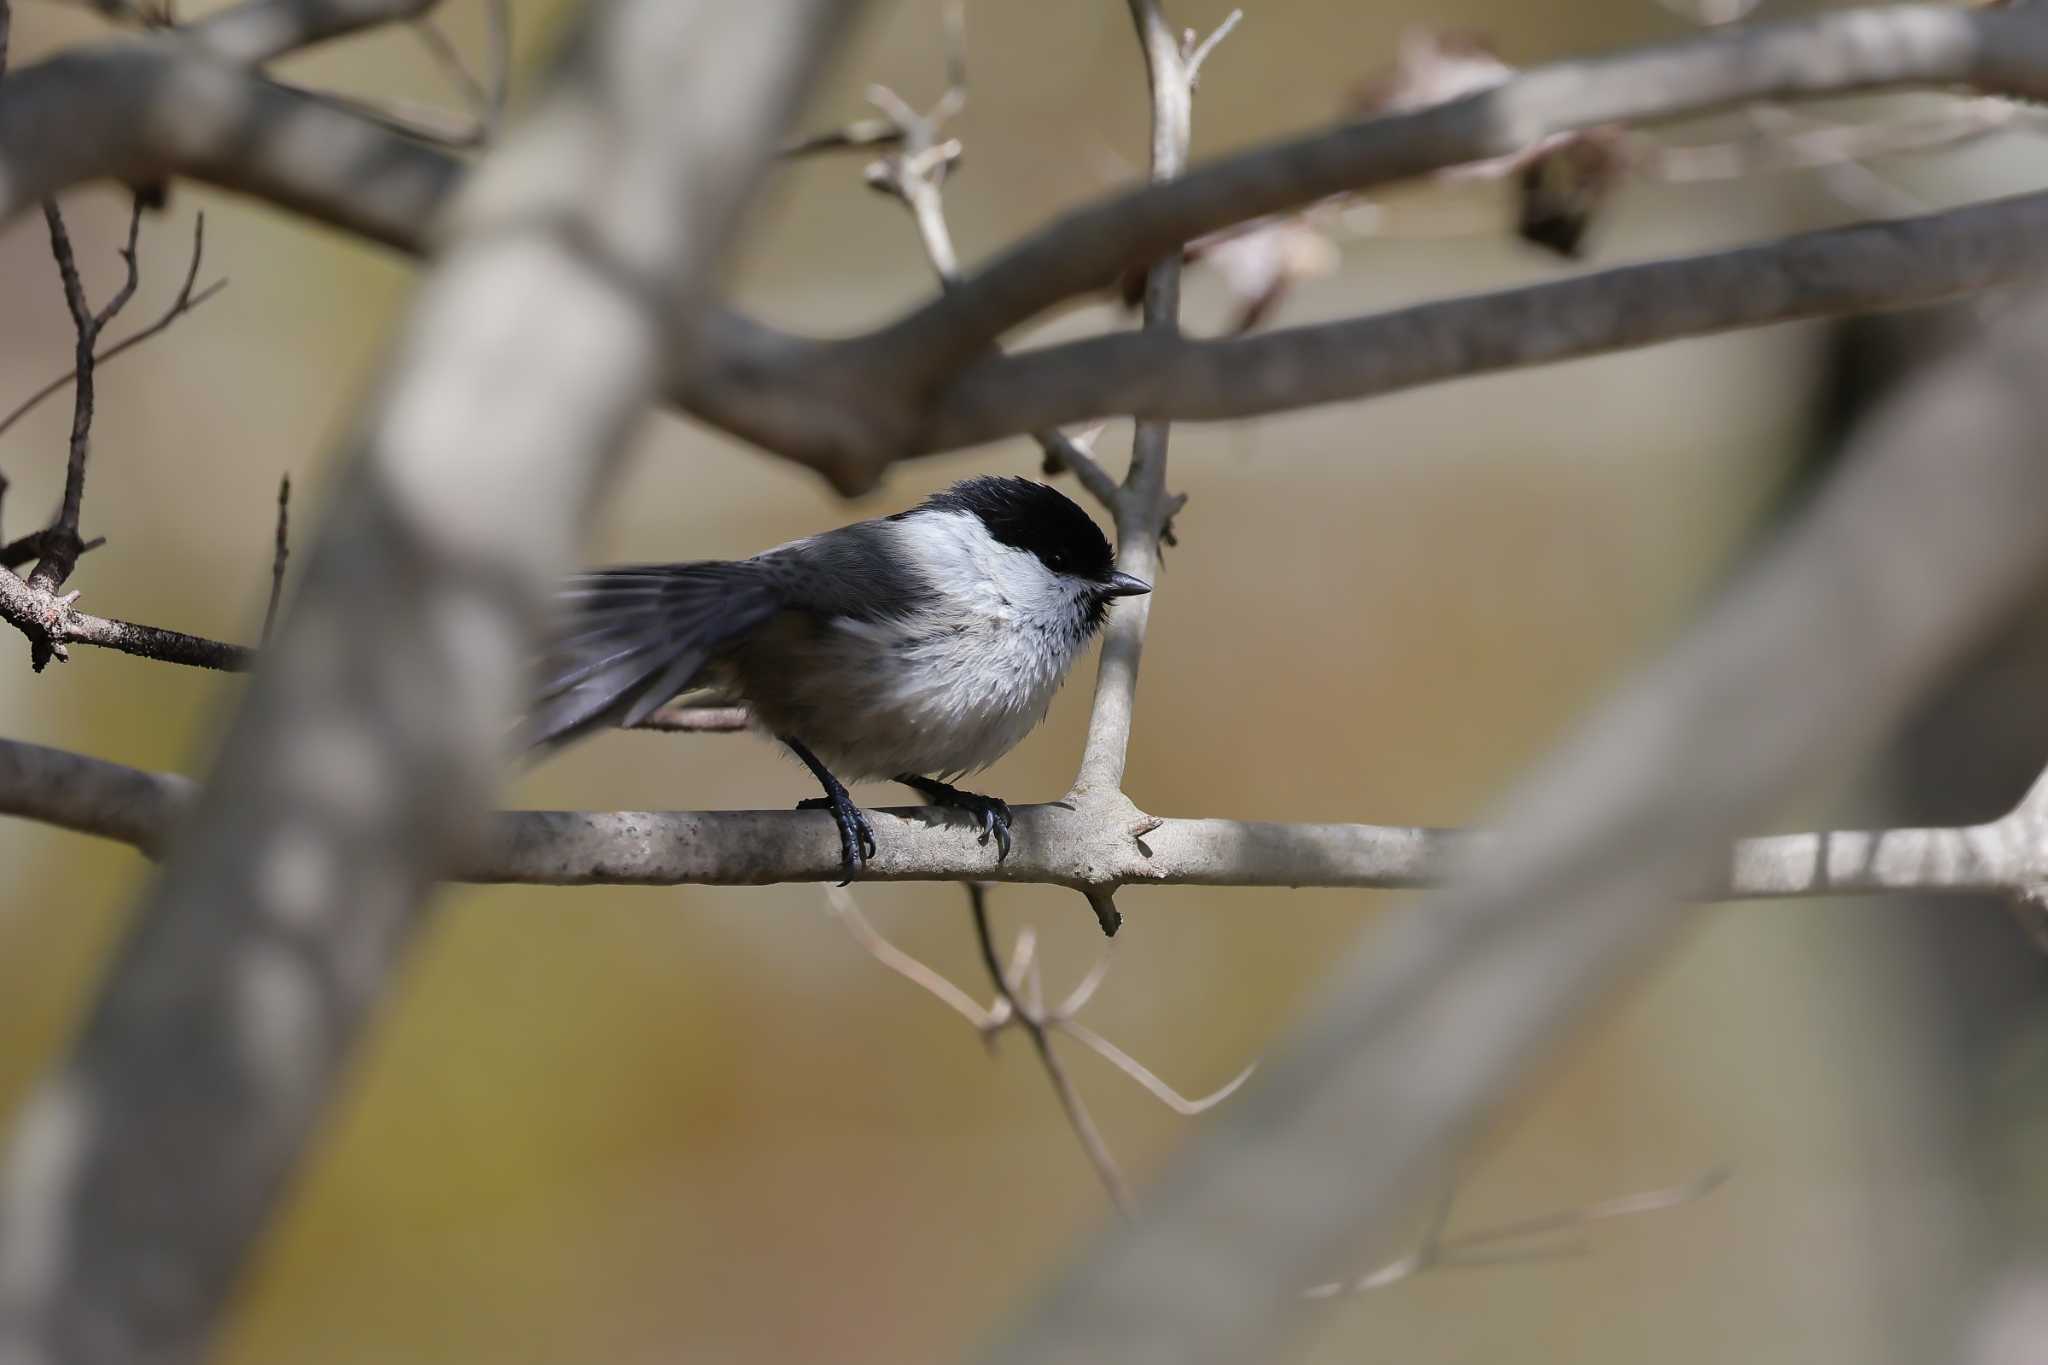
(635, 637)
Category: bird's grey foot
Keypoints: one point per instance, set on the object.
(856, 835)
(990, 813)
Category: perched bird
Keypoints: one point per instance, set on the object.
(917, 647)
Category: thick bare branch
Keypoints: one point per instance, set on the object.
(147, 108)
(845, 408)
(1931, 535)
(1902, 263)
(141, 1170)
(259, 31)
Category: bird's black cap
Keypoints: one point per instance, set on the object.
(1033, 517)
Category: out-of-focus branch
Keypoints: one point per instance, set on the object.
(1534, 1238)
(1930, 535)
(260, 31)
(1900, 263)
(1999, 50)
(141, 1171)
(144, 109)
(846, 408)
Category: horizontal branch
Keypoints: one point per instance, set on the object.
(1900, 263)
(1098, 847)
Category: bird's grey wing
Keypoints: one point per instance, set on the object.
(859, 572)
(634, 637)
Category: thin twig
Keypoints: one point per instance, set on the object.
(62, 545)
(1033, 1024)
(1024, 1008)
(184, 303)
(914, 176)
(1493, 1246)
(284, 500)
(1143, 507)
(1199, 53)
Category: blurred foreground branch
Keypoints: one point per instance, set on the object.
(141, 1171)
(1931, 534)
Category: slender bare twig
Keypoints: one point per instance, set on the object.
(283, 550)
(914, 175)
(1193, 54)
(1029, 1016)
(1143, 508)
(1495, 1246)
(61, 543)
(184, 303)
(1018, 1003)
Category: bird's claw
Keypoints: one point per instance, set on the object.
(991, 814)
(856, 835)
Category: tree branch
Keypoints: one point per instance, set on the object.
(1142, 507)
(1056, 846)
(845, 408)
(1930, 536)
(1901, 263)
(141, 1171)
(62, 545)
(260, 31)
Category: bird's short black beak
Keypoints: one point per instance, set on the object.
(1122, 584)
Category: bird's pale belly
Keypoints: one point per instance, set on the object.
(879, 701)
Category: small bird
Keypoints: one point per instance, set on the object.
(918, 647)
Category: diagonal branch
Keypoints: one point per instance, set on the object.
(1930, 536)
(141, 1171)
(259, 31)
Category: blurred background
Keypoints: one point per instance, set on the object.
(632, 1124)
